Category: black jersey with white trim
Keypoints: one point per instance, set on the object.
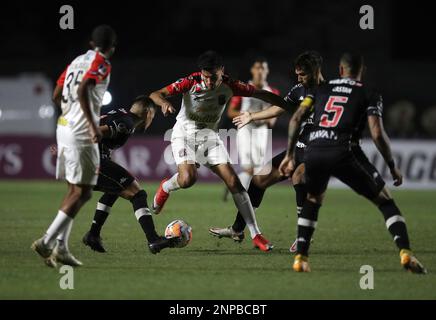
(121, 126)
(294, 97)
(341, 107)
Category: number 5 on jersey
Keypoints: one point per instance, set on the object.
(332, 108)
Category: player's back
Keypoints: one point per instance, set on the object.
(340, 106)
(92, 65)
(121, 126)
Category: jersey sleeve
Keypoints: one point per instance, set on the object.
(375, 105)
(99, 69)
(292, 99)
(181, 86)
(61, 79)
(236, 102)
(118, 126)
(241, 89)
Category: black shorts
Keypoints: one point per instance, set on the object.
(112, 178)
(350, 166)
(299, 155)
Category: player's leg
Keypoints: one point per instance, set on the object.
(104, 205)
(299, 187)
(79, 167)
(317, 173)
(242, 202)
(269, 175)
(365, 180)
(184, 178)
(138, 199)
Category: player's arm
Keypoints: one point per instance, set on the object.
(247, 117)
(83, 95)
(234, 107)
(287, 165)
(381, 140)
(159, 98)
(105, 131)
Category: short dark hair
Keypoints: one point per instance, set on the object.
(210, 60)
(104, 37)
(259, 59)
(309, 61)
(354, 62)
(145, 101)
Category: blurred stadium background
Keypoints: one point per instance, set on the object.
(159, 41)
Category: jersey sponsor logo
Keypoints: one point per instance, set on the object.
(323, 134)
(346, 81)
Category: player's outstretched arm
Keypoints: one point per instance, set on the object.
(159, 98)
(287, 165)
(381, 140)
(82, 93)
(247, 117)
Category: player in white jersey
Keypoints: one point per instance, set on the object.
(252, 140)
(195, 139)
(79, 92)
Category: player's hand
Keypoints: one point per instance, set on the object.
(287, 166)
(53, 149)
(243, 119)
(96, 134)
(397, 177)
(167, 108)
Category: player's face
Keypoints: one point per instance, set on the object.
(303, 77)
(259, 71)
(212, 79)
(148, 118)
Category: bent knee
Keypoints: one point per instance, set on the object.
(187, 179)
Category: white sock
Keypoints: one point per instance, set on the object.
(245, 179)
(171, 184)
(64, 235)
(59, 223)
(242, 201)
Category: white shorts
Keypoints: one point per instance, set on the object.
(202, 147)
(78, 164)
(252, 146)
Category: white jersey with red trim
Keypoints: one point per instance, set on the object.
(250, 104)
(91, 65)
(202, 107)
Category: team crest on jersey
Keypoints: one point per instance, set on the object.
(183, 153)
(221, 99)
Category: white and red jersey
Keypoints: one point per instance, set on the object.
(203, 107)
(92, 65)
(250, 104)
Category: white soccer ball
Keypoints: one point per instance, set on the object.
(179, 228)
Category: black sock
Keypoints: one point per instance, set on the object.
(256, 195)
(395, 224)
(300, 196)
(306, 226)
(104, 205)
(143, 215)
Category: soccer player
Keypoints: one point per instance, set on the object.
(340, 106)
(308, 71)
(116, 126)
(79, 91)
(252, 139)
(194, 138)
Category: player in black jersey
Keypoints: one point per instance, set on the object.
(340, 106)
(117, 125)
(308, 70)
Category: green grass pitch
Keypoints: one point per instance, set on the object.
(350, 233)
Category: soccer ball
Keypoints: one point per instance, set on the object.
(179, 228)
